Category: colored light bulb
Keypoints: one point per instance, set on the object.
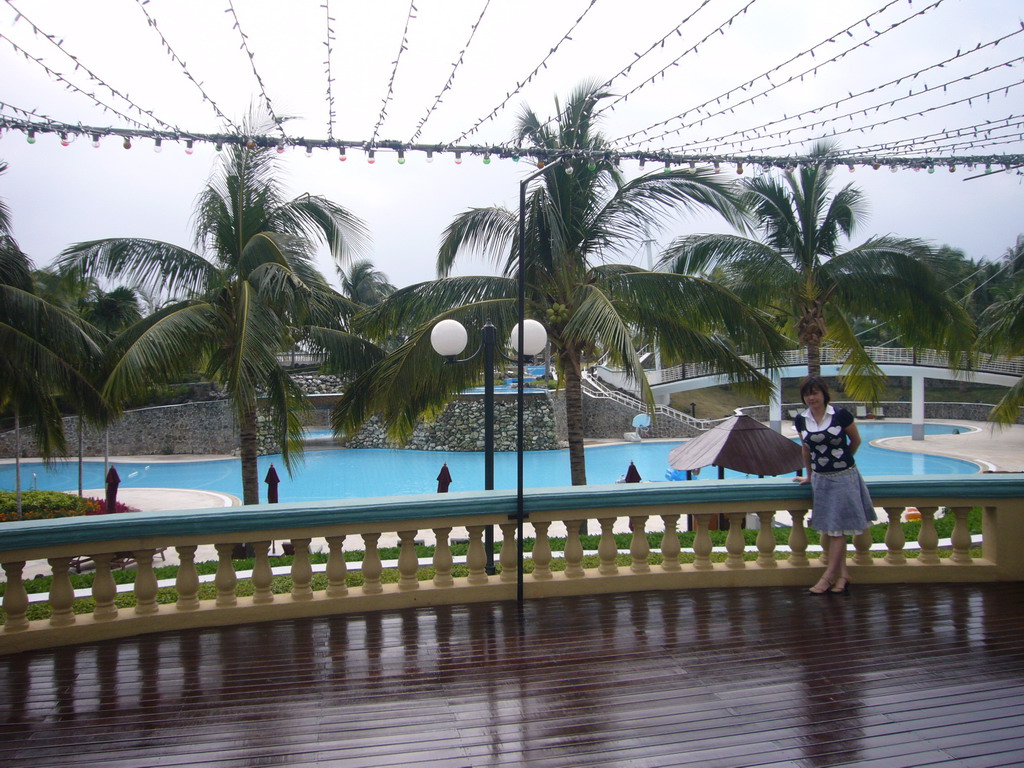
(95, 141)
(341, 155)
(31, 138)
(127, 144)
(188, 147)
(158, 145)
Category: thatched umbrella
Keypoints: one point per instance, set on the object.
(742, 444)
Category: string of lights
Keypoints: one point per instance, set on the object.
(675, 62)
(394, 71)
(767, 74)
(252, 62)
(814, 70)
(716, 143)
(71, 86)
(920, 142)
(451, 77)
(59, 44)
(327, 68)
(756, 131)
(538, 154)
(567, 37)
(637, 57)
(178, 60)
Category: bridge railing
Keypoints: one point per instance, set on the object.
(357, 525)
(928, 358)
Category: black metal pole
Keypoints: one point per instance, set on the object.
(489, 336)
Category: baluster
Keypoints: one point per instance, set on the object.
(894, 538)
(186, 582)
(145, 583)
(225, 578)
(442, 558)
(476, 557)
(15, 597)
(62, 595)
(798, 539)
(104, 590)
(961, 537)
(262, 575)
(302, 571)
(928, 537)
(573, 550)
(408, 562)
(639, 547)
(508, 557)
(670, 544)
(702, 542)
(862, 548)
(541, 552)
(372, 567)
(734, 544)
(766, 541)
(607, 549)
(337, 568)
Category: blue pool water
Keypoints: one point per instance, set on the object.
(339, 473)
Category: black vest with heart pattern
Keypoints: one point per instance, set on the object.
(830, 448)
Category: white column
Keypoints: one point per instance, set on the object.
(775, 404)
(917, 407)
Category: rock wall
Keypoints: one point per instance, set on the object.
(190, 428)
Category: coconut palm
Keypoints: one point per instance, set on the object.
(579, 213)
(801, 271)
(43, 351)
(251, 289)
(1003, 324)
(364, 284)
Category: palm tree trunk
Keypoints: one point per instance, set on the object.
(810, 331)
(574, 416)
(249, 455)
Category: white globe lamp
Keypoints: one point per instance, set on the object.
(449, 338)
(535, 338)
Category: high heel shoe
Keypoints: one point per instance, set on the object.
(822, 587)
(841, 587)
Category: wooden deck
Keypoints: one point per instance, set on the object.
(889, 676)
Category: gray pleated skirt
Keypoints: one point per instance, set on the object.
(842, 504)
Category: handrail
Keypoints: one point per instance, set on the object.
(142, 534)
(928, 358)
(599, 390)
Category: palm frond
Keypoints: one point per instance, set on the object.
(490, 232)
(150, 264)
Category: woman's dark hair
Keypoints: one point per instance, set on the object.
(812, 383)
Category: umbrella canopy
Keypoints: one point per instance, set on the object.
(742, 444)
(113, 480)
(272, 481)
(444, 479)
(632, 474)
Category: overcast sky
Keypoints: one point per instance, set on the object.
(58, 195)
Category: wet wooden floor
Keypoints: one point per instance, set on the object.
(890, 676)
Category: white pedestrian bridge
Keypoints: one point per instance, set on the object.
(916, 364)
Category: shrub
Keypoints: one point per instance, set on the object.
(44, 505)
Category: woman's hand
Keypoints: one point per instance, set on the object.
(802, 480)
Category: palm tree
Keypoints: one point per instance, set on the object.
(43, 350)
(364, 284)
(250, 289)
(579, 212)
(802, 273)
(1003, 324)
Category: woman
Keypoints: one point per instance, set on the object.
(842, 505)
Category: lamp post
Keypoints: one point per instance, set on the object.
(449, 338)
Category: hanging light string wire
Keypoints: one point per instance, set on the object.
(890, 102)
(252, 63)
(451, 77)
(178, 60)
(329, 44)
(58, 43)
(394, 72)
(657, 45)
(719, 141)
(767, 74)
(567, 37)
(949, 134)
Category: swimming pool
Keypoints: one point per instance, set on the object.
(340, 473)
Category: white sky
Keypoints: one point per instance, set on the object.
(59, 195)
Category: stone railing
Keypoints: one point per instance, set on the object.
(102, 538)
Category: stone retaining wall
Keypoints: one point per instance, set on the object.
(607, 419)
